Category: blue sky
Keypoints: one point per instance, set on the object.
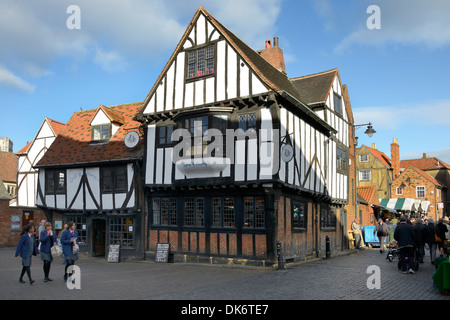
(397, 76)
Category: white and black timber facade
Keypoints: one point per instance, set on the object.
(217, 197)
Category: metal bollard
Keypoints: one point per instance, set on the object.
(280, 256)
(327, 247)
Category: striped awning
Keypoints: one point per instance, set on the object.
(405, 204)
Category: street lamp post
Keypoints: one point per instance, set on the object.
(369, 131)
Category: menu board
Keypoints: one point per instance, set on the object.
(162, 252)
(113, 254)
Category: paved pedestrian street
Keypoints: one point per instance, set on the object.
(345, 277)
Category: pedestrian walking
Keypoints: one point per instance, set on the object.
(441, 229)
(381, 230)
(404, 235)
(26, 248)
(419, 237)
(430, 239)
(47, 240)
(69, 241)
(357, 232)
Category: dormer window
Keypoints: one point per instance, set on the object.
(200, 62)
(101, 132)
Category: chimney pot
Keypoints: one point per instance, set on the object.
(424, 155)
(268, 44)
(374, 146)
(275, 41)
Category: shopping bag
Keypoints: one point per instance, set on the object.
(56, 251)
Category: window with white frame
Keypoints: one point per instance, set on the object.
(399, 191)
(420, 191)
(364, 158)
(365, 175)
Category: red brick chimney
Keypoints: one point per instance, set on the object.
(395, 158)
(273, 54)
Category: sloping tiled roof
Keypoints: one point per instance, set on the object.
(74, 144)
(379, 155)
(426, 176)
(425, 163)
(55, 126)
(314, 88)
(8, 167)
(368, 193)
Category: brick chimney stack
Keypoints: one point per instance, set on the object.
(395, 158)
(273, 54)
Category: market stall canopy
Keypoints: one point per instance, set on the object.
(405, 204)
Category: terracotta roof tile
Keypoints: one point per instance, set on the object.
(425, 163)
(74, 144)
(379, 155)
(368, 193)
(8, 166)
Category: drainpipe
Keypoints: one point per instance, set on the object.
(317, 229)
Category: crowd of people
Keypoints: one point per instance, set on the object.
(409, 234)
(41, 240)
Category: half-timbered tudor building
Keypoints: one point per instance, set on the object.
(91, 175)
(27, 174)
(223, 196)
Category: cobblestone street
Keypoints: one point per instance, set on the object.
(343, 277)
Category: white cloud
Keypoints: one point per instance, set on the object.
(425, 113)
(407, 22)
(10, 79)
(115, 32)
(109, 61)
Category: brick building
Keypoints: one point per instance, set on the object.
(419, 193)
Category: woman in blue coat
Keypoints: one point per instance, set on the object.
(26, 248)
(48, 239)
(69, 238)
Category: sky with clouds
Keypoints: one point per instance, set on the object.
(397, 75)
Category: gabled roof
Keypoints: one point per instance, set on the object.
(112, 115)
(425, 163)
(314, 88)
(272, 77)
(74, 145)
(384, 159)
(8, 166)
(423, 174)
(54, 125)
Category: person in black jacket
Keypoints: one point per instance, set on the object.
(419, 237)
(404, 235)
(429, 239)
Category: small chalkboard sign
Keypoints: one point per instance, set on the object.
(113, 254)
(162, 252)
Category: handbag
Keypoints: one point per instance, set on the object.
(437, 238)
(56, 251)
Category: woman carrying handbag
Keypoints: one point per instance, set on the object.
(48, 240)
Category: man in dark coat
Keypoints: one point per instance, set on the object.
(419, 236)
(404, 235)
(429, 239)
